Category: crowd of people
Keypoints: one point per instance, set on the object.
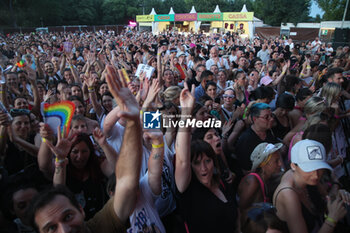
(278, 163)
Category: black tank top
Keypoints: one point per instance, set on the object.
(313, 222)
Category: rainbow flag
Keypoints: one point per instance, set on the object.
(58, 114)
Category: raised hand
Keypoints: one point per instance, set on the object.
(227, 127)
(187, 99)
(31, 74)
(153, 91)
(48, 94)
(125, 99)
(99, 136)
(46, 132)
(90, 81)
(4, 119)
(63, 145)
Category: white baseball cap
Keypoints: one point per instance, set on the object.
(310, 155)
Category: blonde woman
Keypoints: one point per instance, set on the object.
(171, 94)
(331, 93)
(313, 106)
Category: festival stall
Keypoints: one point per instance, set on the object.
(238, 22)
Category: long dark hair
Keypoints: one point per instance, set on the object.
(93, 163)
(200, 148)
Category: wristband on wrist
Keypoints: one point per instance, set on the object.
(91, 88)
(330, 221)
(61, 162)
(329, 224)
(157, 146)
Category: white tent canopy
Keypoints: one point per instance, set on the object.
(250, 24)
(193, 10)
(217, 9)
(154, 24)
(171, 12)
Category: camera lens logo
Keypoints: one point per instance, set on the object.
(151, 120)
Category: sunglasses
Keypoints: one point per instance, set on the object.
(19, 112)
(266, 117)
(228, 96)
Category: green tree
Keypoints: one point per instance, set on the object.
(179, 6)
(275, 12)
(333, 9)
(237, 5)
(207, 6)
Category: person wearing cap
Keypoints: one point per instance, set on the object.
(297, 200)
(253, 188)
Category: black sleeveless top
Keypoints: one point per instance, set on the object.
(313, 222)
(204, 212)
(279, 131)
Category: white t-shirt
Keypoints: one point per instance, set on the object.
(166, 202)
(116, 138)
(211, 62)
(145, 217)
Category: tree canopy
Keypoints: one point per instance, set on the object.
(36, 13)
(333, 9)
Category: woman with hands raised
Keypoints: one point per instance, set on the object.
(206, 203)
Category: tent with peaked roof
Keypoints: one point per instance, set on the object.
(154, 24)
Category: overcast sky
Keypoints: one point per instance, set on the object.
(315, 9)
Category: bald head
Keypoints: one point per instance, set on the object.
(213, 52)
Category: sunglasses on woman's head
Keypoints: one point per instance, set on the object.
(19, 112)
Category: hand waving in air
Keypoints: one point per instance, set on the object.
(63, 145)
(125, 99)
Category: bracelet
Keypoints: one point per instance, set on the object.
(91, 88)
(308, 67)
(329, 224)
(61, 162)
(1, 92)
(331, 220)
(283, 72)
(157, 146)
(158, 54)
